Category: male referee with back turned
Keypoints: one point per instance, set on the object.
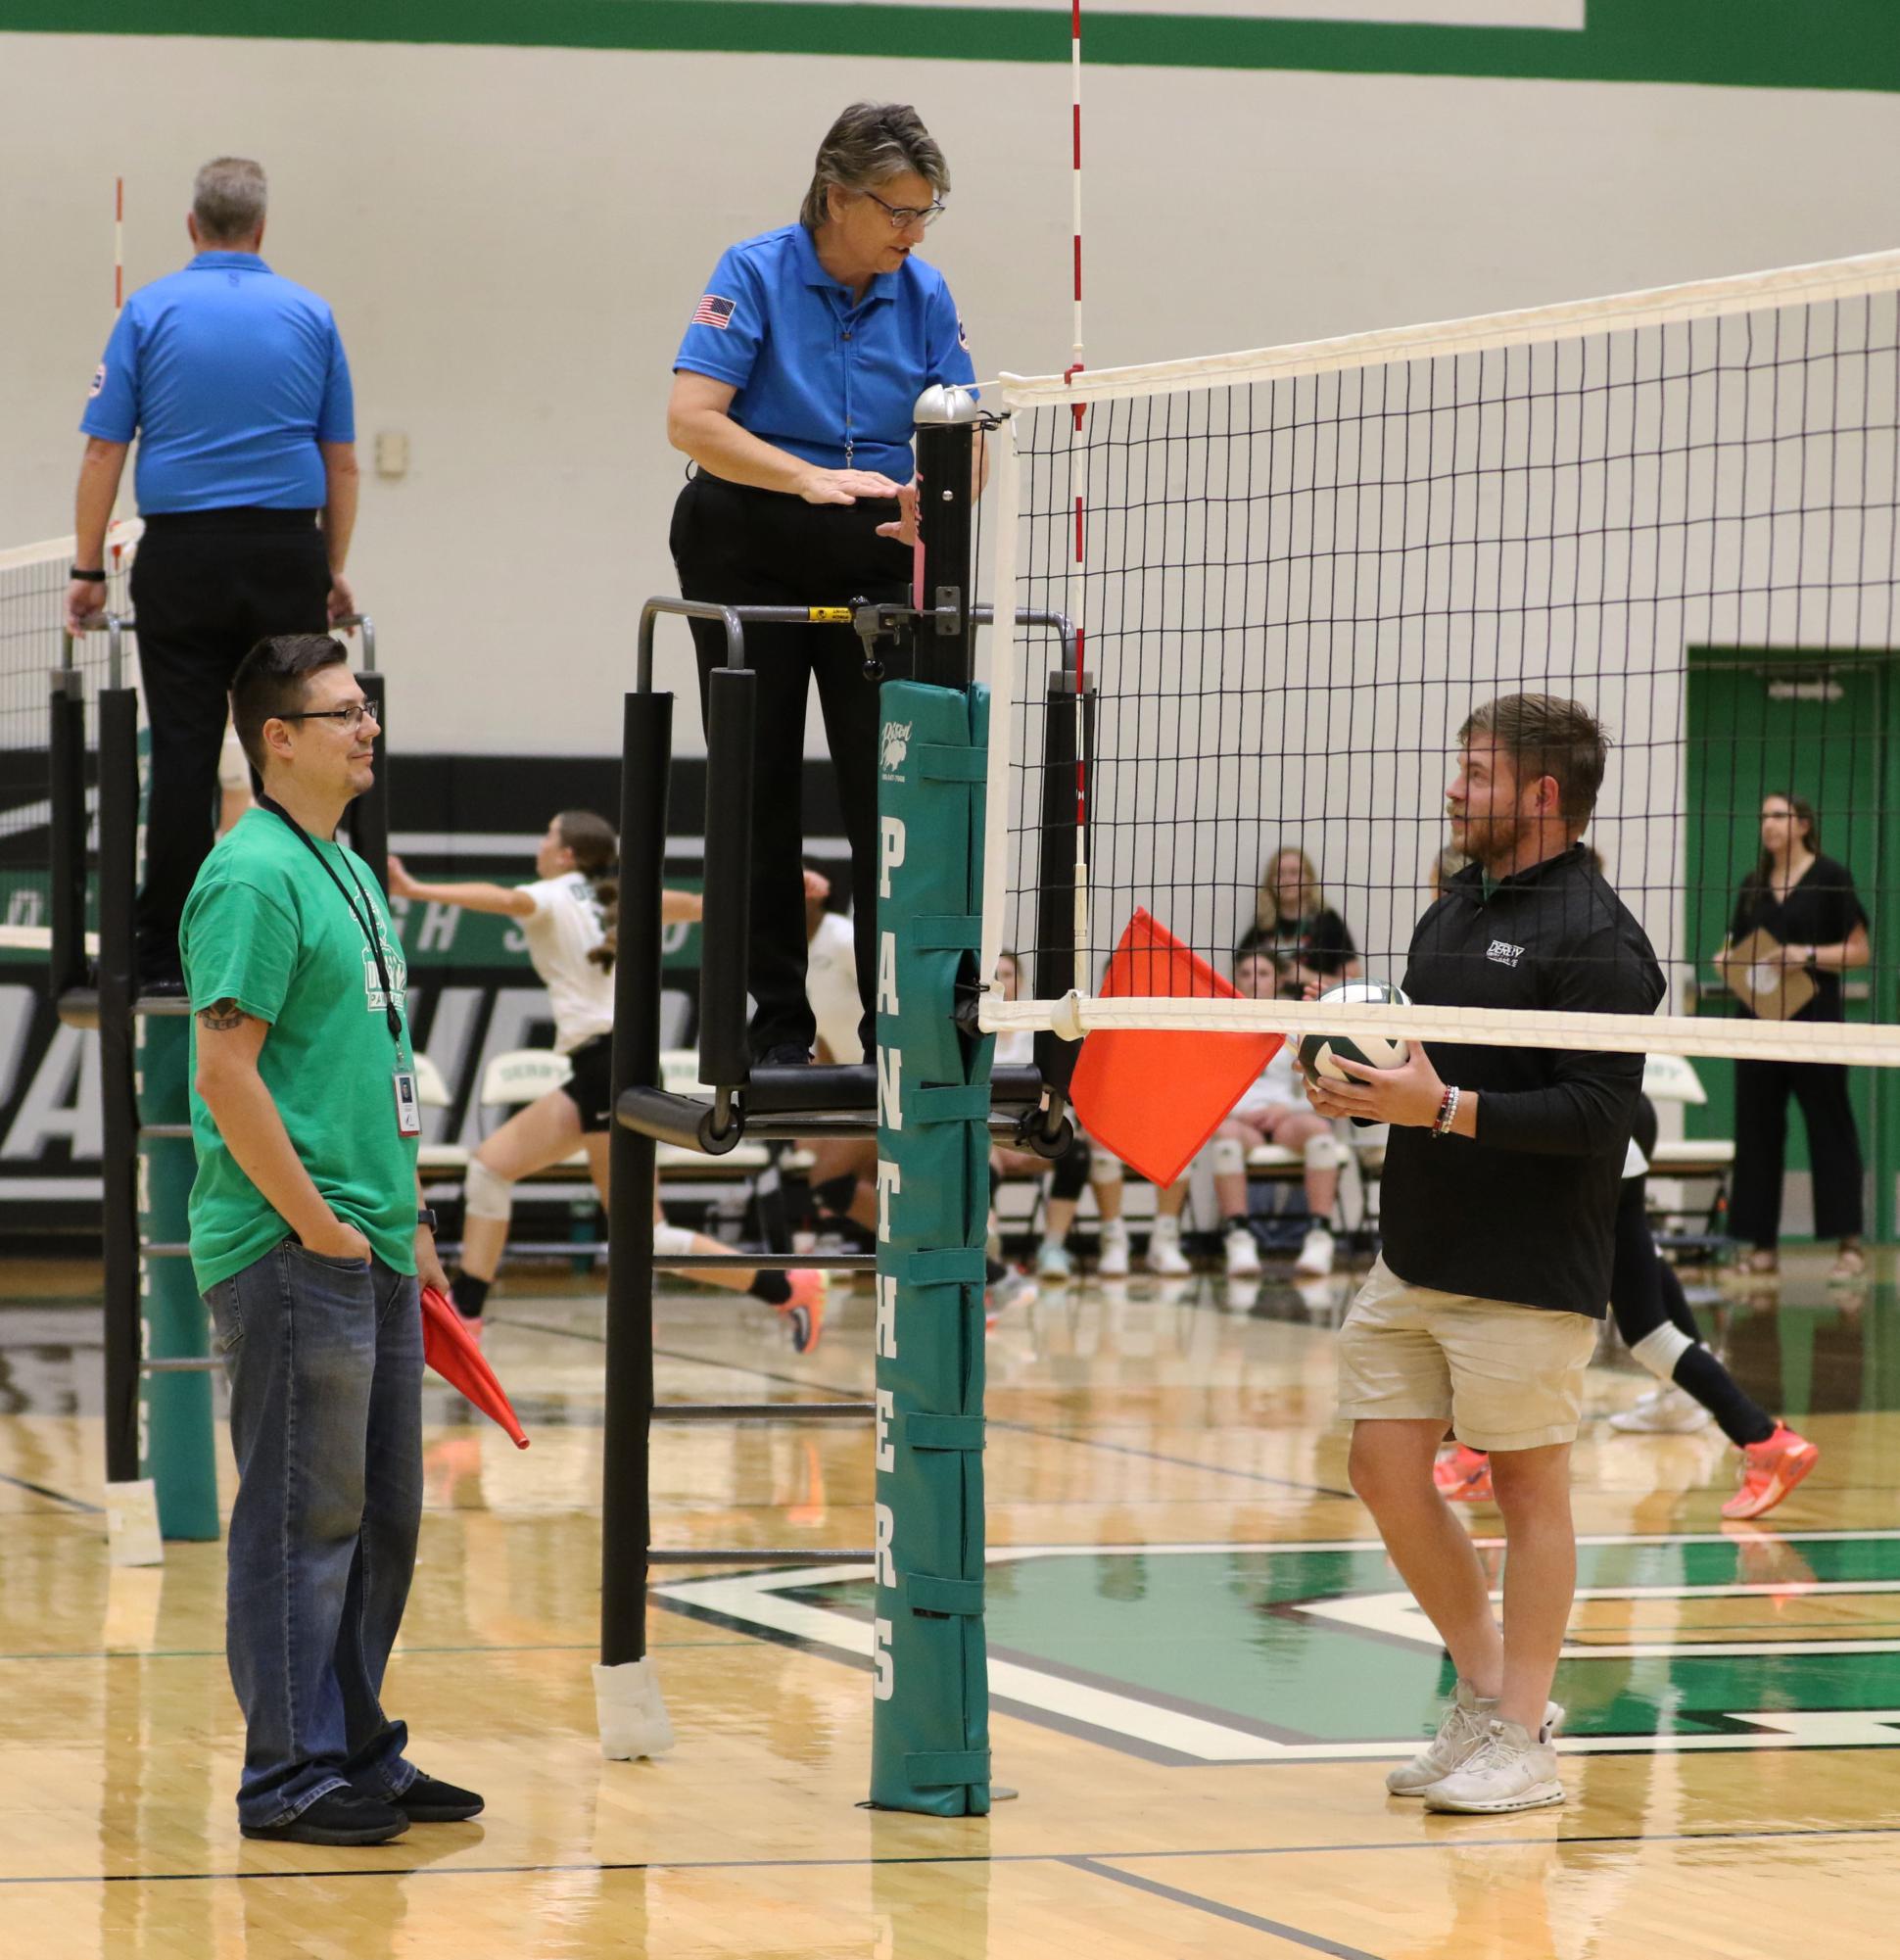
(1499, 1214)
(234, 382)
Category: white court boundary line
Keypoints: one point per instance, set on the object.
(1529, 326)
(758, 1600)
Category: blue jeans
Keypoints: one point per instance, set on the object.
(325, 1365)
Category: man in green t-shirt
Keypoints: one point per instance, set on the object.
(308, 1239)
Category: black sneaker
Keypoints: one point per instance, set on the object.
(784, 1055)
(429, 1800)
(336, 1817)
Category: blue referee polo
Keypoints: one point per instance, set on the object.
(230, 377)
(829, 381)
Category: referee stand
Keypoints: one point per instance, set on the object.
(161, 1463)
(930, 1101)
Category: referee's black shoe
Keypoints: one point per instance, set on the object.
(429, 1800)
(336, 1817)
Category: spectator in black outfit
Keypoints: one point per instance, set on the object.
(235, 385)
(1806, 904)
(1499, 1210)
(1293, 921)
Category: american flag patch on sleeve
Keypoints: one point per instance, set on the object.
(713, 312)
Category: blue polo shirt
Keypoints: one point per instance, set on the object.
(230, 377)
(831, 382)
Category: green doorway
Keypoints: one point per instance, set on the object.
(1816, 725)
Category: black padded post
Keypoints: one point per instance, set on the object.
(118, 1095)
(65, 769)
(1054, 973)
(724, 932)
(626, 1534)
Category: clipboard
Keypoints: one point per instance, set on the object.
(1752, 972)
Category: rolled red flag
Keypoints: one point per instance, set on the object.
(449, 1348)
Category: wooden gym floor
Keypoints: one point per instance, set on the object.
(1202, 1667)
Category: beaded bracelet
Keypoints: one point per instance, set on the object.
(1448, 1113)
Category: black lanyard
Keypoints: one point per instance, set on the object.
(371, 939)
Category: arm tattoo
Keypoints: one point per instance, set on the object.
(221, 1016)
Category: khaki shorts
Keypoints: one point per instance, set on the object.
(1505, 1377)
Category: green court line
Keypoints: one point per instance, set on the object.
(1829, 44)
(57, 1496)
(1447, 1841)
(1199, 1901)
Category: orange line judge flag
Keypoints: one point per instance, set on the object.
(1154, 1096)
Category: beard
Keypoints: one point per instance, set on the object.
(1488, 840)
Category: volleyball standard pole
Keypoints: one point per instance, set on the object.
(929, 1724)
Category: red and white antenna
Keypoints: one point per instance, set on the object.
(1079, 455)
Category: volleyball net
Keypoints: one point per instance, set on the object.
(33, 647)
(1297, 572)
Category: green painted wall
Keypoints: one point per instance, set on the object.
(1779, 44)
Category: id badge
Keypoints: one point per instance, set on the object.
(408, 1110)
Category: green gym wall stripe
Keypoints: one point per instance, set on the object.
(1725, 43)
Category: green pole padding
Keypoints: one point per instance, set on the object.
(929, 1730)
(176, 1409)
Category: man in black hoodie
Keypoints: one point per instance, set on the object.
(1498, 1212)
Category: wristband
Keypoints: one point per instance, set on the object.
(89, 578)
(425, 1217)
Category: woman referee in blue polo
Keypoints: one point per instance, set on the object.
(792, 394)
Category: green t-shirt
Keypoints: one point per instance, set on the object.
(267, 927)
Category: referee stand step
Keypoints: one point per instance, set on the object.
(817, 1099)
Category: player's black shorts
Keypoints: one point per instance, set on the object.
(589, 1088)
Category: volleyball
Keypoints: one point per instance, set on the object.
(1320, 1054)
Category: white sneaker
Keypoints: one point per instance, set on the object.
(1509, 1770)
(1013, 1289)
(1112, 1261)
(1665, 1410)
(1315, 1259)
(1467, 1723)
(1053, 1261)
(1165, 1255)
(1242, 1254)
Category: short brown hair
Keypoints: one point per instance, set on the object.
(871, 143)
(270, 682)
(1545, 735)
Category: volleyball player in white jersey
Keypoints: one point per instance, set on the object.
(567, 918)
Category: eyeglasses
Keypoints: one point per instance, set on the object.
(903, 215)
(352, 717)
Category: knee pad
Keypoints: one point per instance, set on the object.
(1324, 1152)
(485, 1195)
(1660, 1351)
(671, 1241)
(1227, 1156)
(1104, 1168)
(835, 1193)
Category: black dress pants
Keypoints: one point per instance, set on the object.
(748, 546)
(205, 587)
(1762, 1090)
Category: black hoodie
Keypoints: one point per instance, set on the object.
(1525, 1212)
